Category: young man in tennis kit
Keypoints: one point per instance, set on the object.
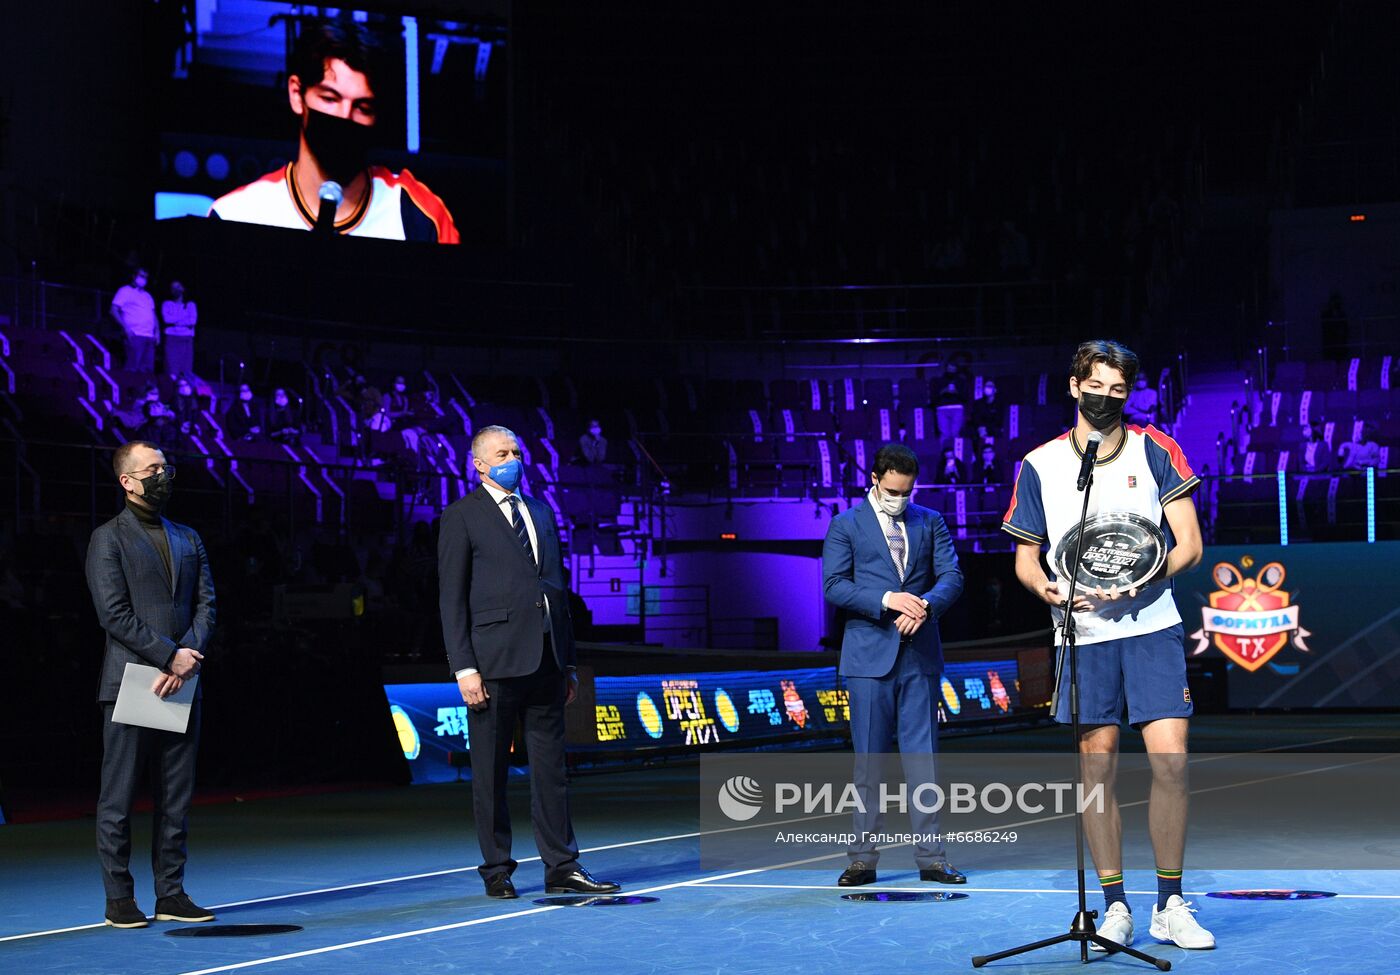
(1130, 643)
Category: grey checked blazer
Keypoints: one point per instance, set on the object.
(147, 617)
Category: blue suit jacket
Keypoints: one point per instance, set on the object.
(146, 616)
(857, 571)
(492, 595)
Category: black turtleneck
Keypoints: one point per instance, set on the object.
(155, 531)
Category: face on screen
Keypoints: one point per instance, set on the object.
(343, 92)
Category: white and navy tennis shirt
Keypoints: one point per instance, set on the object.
(1143, 474)
(397, 207)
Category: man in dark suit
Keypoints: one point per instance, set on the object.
(150, 584)
(891, 567)
(510, 644)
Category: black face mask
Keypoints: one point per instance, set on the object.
(1102, 412)
(339, 145)
(156, 489)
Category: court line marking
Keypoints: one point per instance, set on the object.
(954, 888)
(617, 846)
(381, 939)
(432, 873)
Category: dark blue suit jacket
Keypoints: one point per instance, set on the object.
(857, 571)
(146, 616)
(492, 594)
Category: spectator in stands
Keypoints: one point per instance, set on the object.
(988, 415)
(135, 311)
(950, 410)
(186, 407)
(152, 395)
(135, 415)
(1314, 455)
(284, 419)
(431, 417)
(1141, 408)
(159, 425)
(244, 419)
(364, 398)
(1362, 451)
(395, 404)
(593, 446)
(952, 373)
(179, 316)
(988, 470)
(951, 470)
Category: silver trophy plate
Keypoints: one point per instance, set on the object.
(1121, 549)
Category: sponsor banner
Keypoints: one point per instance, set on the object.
(722, 707)
(698, 710)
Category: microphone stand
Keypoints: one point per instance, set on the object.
(1081, 930)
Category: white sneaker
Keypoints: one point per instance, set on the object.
(1117, 926)
(1174, 923)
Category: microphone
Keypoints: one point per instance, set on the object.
(1086, 467)
(330, 195)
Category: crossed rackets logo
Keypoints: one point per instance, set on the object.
(1249, 619)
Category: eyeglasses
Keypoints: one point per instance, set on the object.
(153, 469)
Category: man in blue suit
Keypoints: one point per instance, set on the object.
(150, 584)
(510, 644)
(890, 566)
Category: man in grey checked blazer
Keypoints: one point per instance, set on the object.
(150, 584)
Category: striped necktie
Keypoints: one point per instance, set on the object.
(896, 539)
(518, 523)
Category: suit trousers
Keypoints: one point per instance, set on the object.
(127, 751)
(901, 705)
(537, 700)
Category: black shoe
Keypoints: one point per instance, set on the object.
(858, 874)
(122, 912)
(944, 873)
(501, 888)
(579, 881)
(179, 907)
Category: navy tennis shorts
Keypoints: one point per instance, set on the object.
(1147, 673)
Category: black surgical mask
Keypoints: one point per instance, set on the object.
(156, 489)
(1102, 412)
(339, 144)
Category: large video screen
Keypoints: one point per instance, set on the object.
(357, 125)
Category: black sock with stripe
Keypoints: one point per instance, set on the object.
(1112, 885)
(1168, 883)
